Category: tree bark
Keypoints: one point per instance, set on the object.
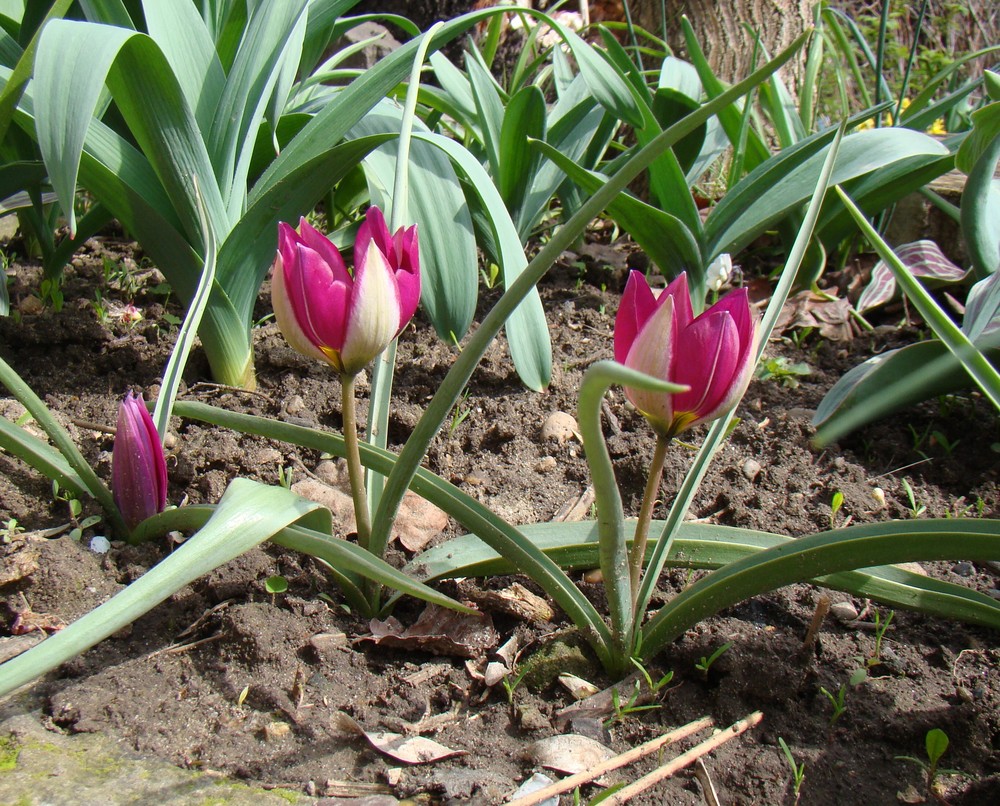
(720, 30)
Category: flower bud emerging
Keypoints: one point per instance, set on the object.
(327, 313)
(713, 354)
(138, 468)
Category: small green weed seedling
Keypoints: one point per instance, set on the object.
(835, 505)
(783, 371)
(654, 685)
(275, 585)
(947, 445)
(9, 530)
(916, 510)
(632, 706)
(838, 701)
(72, 502)
(511, 683)
(881, 625)
(285, 476)
(935, 745)
(705, 664)
(798, 770)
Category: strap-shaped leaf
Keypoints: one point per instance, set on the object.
(436, 203)
(981, 199)
(784, 182)
(523, 118)
(818, 555)
(187, 44)
(574, 546)
(73, 62)
(669, 244)
(888, 383)
(248, 513)
(41, 456)
(527, 330)
(491, 528)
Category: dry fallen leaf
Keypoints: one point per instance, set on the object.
(407, 749)
(806, 309)
(418, 521)
(568, 753)
(514, 600)
(439, 631)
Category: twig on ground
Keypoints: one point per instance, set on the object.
(625, 794)
(581, 778)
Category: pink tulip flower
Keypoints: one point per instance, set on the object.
(138, 468)
(325, 312)
(713, 354)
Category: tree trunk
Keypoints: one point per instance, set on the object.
(720, 30)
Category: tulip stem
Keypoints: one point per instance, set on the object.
(638, 553)
(352, 453)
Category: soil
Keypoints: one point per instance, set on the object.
(228, 678)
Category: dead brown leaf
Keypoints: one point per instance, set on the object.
(407, 749)
(832, 317)
(439, 631)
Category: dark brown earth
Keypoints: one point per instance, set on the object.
(227, 677)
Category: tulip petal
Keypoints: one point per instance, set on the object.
(407, 273)
(315, 240)
(706, 360)
(138, 467)
(637, 305)
(287, 318)
(373, 228)
(652, 353)
(373, 317)
(678, 291)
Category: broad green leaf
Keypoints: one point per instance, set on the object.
(527, 330)
(15, 85)
(187, 45)
(730, 117)
(669, 244)
(875, 191)
(982, 372)
(784, 182)
(436, 202)
(819, 555)
(606, 84)
(523, 118)
(248, 513)
(248, 89)
(888, 383)
(489, 108)
(981, 204)
(147, 95)
(574, 546)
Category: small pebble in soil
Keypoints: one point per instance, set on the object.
(546, 464)
(879, 495)
(559, 426)
(751, 469)
(844, 611)
(964, 569)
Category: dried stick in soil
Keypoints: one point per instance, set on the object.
(581, 778)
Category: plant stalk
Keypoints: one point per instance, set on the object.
(355, 471)
(638, 552)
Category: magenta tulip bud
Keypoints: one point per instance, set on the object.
(138, 467)
(713, 354)
(328, 314)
